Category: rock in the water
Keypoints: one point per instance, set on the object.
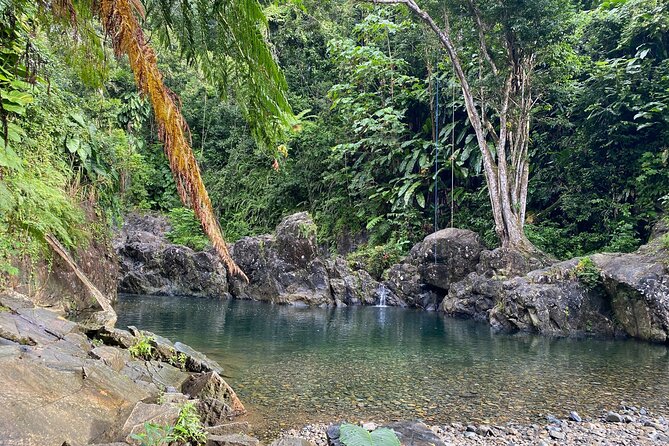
(236, 427)
(196, 361)
(292, 441)
(472, 297)
(150, 264)
(217, 401)
(557, 435)
(285, 267)
(638, 286)
(552, 301)
(351, 287)
(574, 416)
(406, 288)
(332, 433)
(415, 434)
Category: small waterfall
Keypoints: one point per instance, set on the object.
(382, 292)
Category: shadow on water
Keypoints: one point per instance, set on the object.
(297, 365)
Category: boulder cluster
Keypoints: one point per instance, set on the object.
(611, 294)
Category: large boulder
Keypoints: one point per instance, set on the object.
(605, 294)
(446, 256)
(284, 267)
(217, 401)
(59, 387)
(53, 390)
(405, 288)
(638, 287)
(472, 297)
(553, 301)
(150, 264)
(351, 287)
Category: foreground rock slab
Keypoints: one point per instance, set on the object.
(61, 386)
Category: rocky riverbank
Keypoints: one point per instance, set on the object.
(628, 426)
(608, 295)
(69, 383)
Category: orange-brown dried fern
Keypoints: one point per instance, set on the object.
(119, 19)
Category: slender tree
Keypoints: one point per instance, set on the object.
(505, 40)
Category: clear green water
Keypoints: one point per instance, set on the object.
(293, 366)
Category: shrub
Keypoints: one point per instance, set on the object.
(142, 348)
(186, 229)
(189, 428)
(155, 435)
(376, 259)
(587, 273)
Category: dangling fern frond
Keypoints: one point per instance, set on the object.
(226, 40)
(120, 22)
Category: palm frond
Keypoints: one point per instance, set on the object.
(226, 40)
(120, 22)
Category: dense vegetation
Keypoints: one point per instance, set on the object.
(373, 89)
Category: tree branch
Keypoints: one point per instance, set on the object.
(482, 27)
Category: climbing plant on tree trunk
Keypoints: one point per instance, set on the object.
(494, 48)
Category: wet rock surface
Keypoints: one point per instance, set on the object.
(612, 295)
(284, 267)
(449, 270)
(150, 264)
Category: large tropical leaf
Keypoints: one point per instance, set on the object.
(352, 435)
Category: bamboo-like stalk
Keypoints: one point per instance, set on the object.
(119, 19)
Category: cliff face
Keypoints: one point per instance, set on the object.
(50, 282)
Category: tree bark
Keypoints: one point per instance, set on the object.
(508, 175)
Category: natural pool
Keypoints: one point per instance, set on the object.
(292, 366)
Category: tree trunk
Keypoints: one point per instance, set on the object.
(507, 175)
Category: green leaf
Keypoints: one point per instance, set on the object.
(72, 144)
(385, 437)
(352, 435)
(78, 118)
(9, 158)
(421, 200)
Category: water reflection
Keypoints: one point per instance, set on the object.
(293, 365)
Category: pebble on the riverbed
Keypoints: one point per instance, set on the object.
(642, 430)
(613, 417)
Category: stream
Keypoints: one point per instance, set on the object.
(292, 366)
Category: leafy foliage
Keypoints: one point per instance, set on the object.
(587, 273)
(154, 435)
(377, 259)
(186, 230)
(142, 348)
(352, 435)
(189, 428)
